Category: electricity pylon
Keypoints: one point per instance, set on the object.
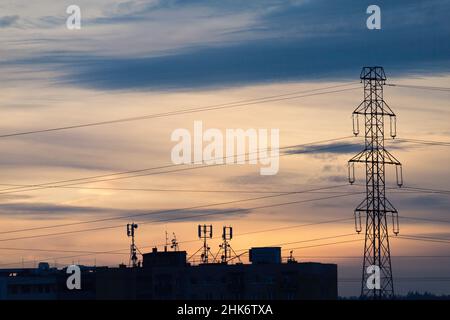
(375, 206)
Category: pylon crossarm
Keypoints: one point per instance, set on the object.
(358, 157)
(373, 73)
(390, 207)
(362, 158)
(375, 113)
(361, 109)
(389, 110)
(362, 206)
(390, 159)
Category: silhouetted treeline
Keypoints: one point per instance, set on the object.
(413, 295)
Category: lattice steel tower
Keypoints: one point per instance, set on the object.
(375, 206)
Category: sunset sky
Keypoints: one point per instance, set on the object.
(133, 58)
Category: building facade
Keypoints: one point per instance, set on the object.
(166, 275)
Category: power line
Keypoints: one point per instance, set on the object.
(292, 227)
(358, 257)
(413, 188)
(419, 238)
(334, 243)
(313, 246)
(170, 210)
(64, 257)
(288, 96)
(14, 188)
(427, 190)
(408, 237)
(324, 244)
(303, 241)
(428, 237)
(184, 242)
(165, 220)
(184, 190)
(347, 241)
(86, 253)
(199, 207)
(444, 89)
(425, 219)
(421, 141)
(57, 250)
(424, 239)
(308, 240)
(118, 175)
(187, 241)
(402, 279)
(115, 251)
(240, 191)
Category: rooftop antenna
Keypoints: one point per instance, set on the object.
(167, 242)
(225, 247)
(291, 258)
(205, 232)
(174, 244)
(133, 249)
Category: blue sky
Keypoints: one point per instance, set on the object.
(225, 43)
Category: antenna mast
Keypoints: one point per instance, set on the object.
(205, 232)
(133, 249)
(225, 247)
(174, 245)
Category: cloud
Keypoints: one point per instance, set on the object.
(38, 210)
(332, 148)
(204, 215)
(251, 180)
(431, 234)
(426, 202)
(8, 21)
(48, 210)
(337, 148)
(342, 178)
(246, 63)
(268, 42)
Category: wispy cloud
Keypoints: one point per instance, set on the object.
(8, 21)
(47, 211)
(332, 148)
(209, 44)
